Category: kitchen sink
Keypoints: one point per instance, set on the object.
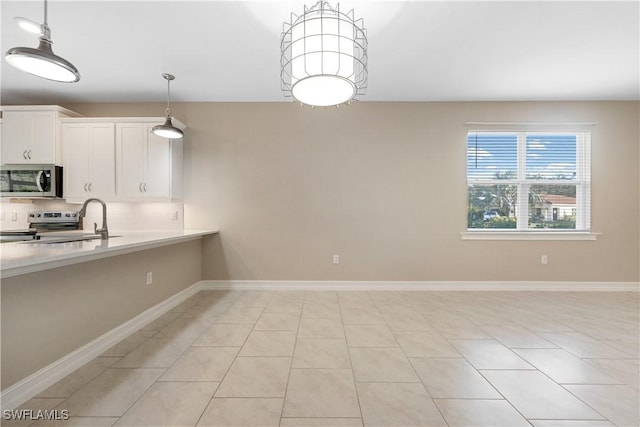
(7, 236)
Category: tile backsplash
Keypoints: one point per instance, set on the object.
(120, 216)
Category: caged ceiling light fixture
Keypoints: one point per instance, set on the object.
(41, 61)
(167, 129)
(324, 56)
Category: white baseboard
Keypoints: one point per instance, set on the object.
(39, 381)
(310, 285)
(20, 392)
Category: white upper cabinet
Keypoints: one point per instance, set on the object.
(31, 134)
(112, 158)
(158, 175)
(89, 160)
(147, 166)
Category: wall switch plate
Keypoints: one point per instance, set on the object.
(14, 216)
(336, 259)
(543, 260)
(149, 278)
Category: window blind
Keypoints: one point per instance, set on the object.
(529, 180)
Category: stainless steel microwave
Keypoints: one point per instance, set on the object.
(31, 181)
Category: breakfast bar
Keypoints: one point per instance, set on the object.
(90, 287)
(60, 249)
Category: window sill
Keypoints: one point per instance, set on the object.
(528, 235)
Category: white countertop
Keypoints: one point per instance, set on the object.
(18, 258)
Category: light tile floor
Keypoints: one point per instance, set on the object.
(334, 359)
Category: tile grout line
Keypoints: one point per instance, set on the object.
(536, 369)
(227, 371)
(286, 388)
(424, 386)
(559, 384)
(166, 368)
(353, 375)
(448, 340)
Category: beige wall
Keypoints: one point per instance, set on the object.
(48, 314)
(383, 185)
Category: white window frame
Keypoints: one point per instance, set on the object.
(582, 183)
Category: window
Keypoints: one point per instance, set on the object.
(528, 181)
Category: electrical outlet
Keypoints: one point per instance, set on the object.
(174, 215)
(543, 260)
(14, 216)
(149, 278)
(336, 259)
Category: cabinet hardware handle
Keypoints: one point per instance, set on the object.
(85, 187)
(24, 154)
(90, 187)
(140, 187)
(29, 154)
(145, 187)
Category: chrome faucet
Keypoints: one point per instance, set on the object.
(103, 232)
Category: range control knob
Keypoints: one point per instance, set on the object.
(67, 215)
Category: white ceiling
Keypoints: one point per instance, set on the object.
(418, 50)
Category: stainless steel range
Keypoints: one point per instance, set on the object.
(41, 222)
(54, 220)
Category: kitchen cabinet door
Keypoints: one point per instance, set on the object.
(89, 160)
(158, 165)
(29, 137)
(75, 160)
(14, 129)
(102, 161)
(143, 163)
(42, 146)
(130, 159)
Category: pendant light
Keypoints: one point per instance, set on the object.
(29, 25)
(167, 129)
(41, 61)
(324, 56)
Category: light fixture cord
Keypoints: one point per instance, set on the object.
(44, 28)
(168, 110)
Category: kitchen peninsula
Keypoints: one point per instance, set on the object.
(102, 290)
(37, 255)
(71, 294)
